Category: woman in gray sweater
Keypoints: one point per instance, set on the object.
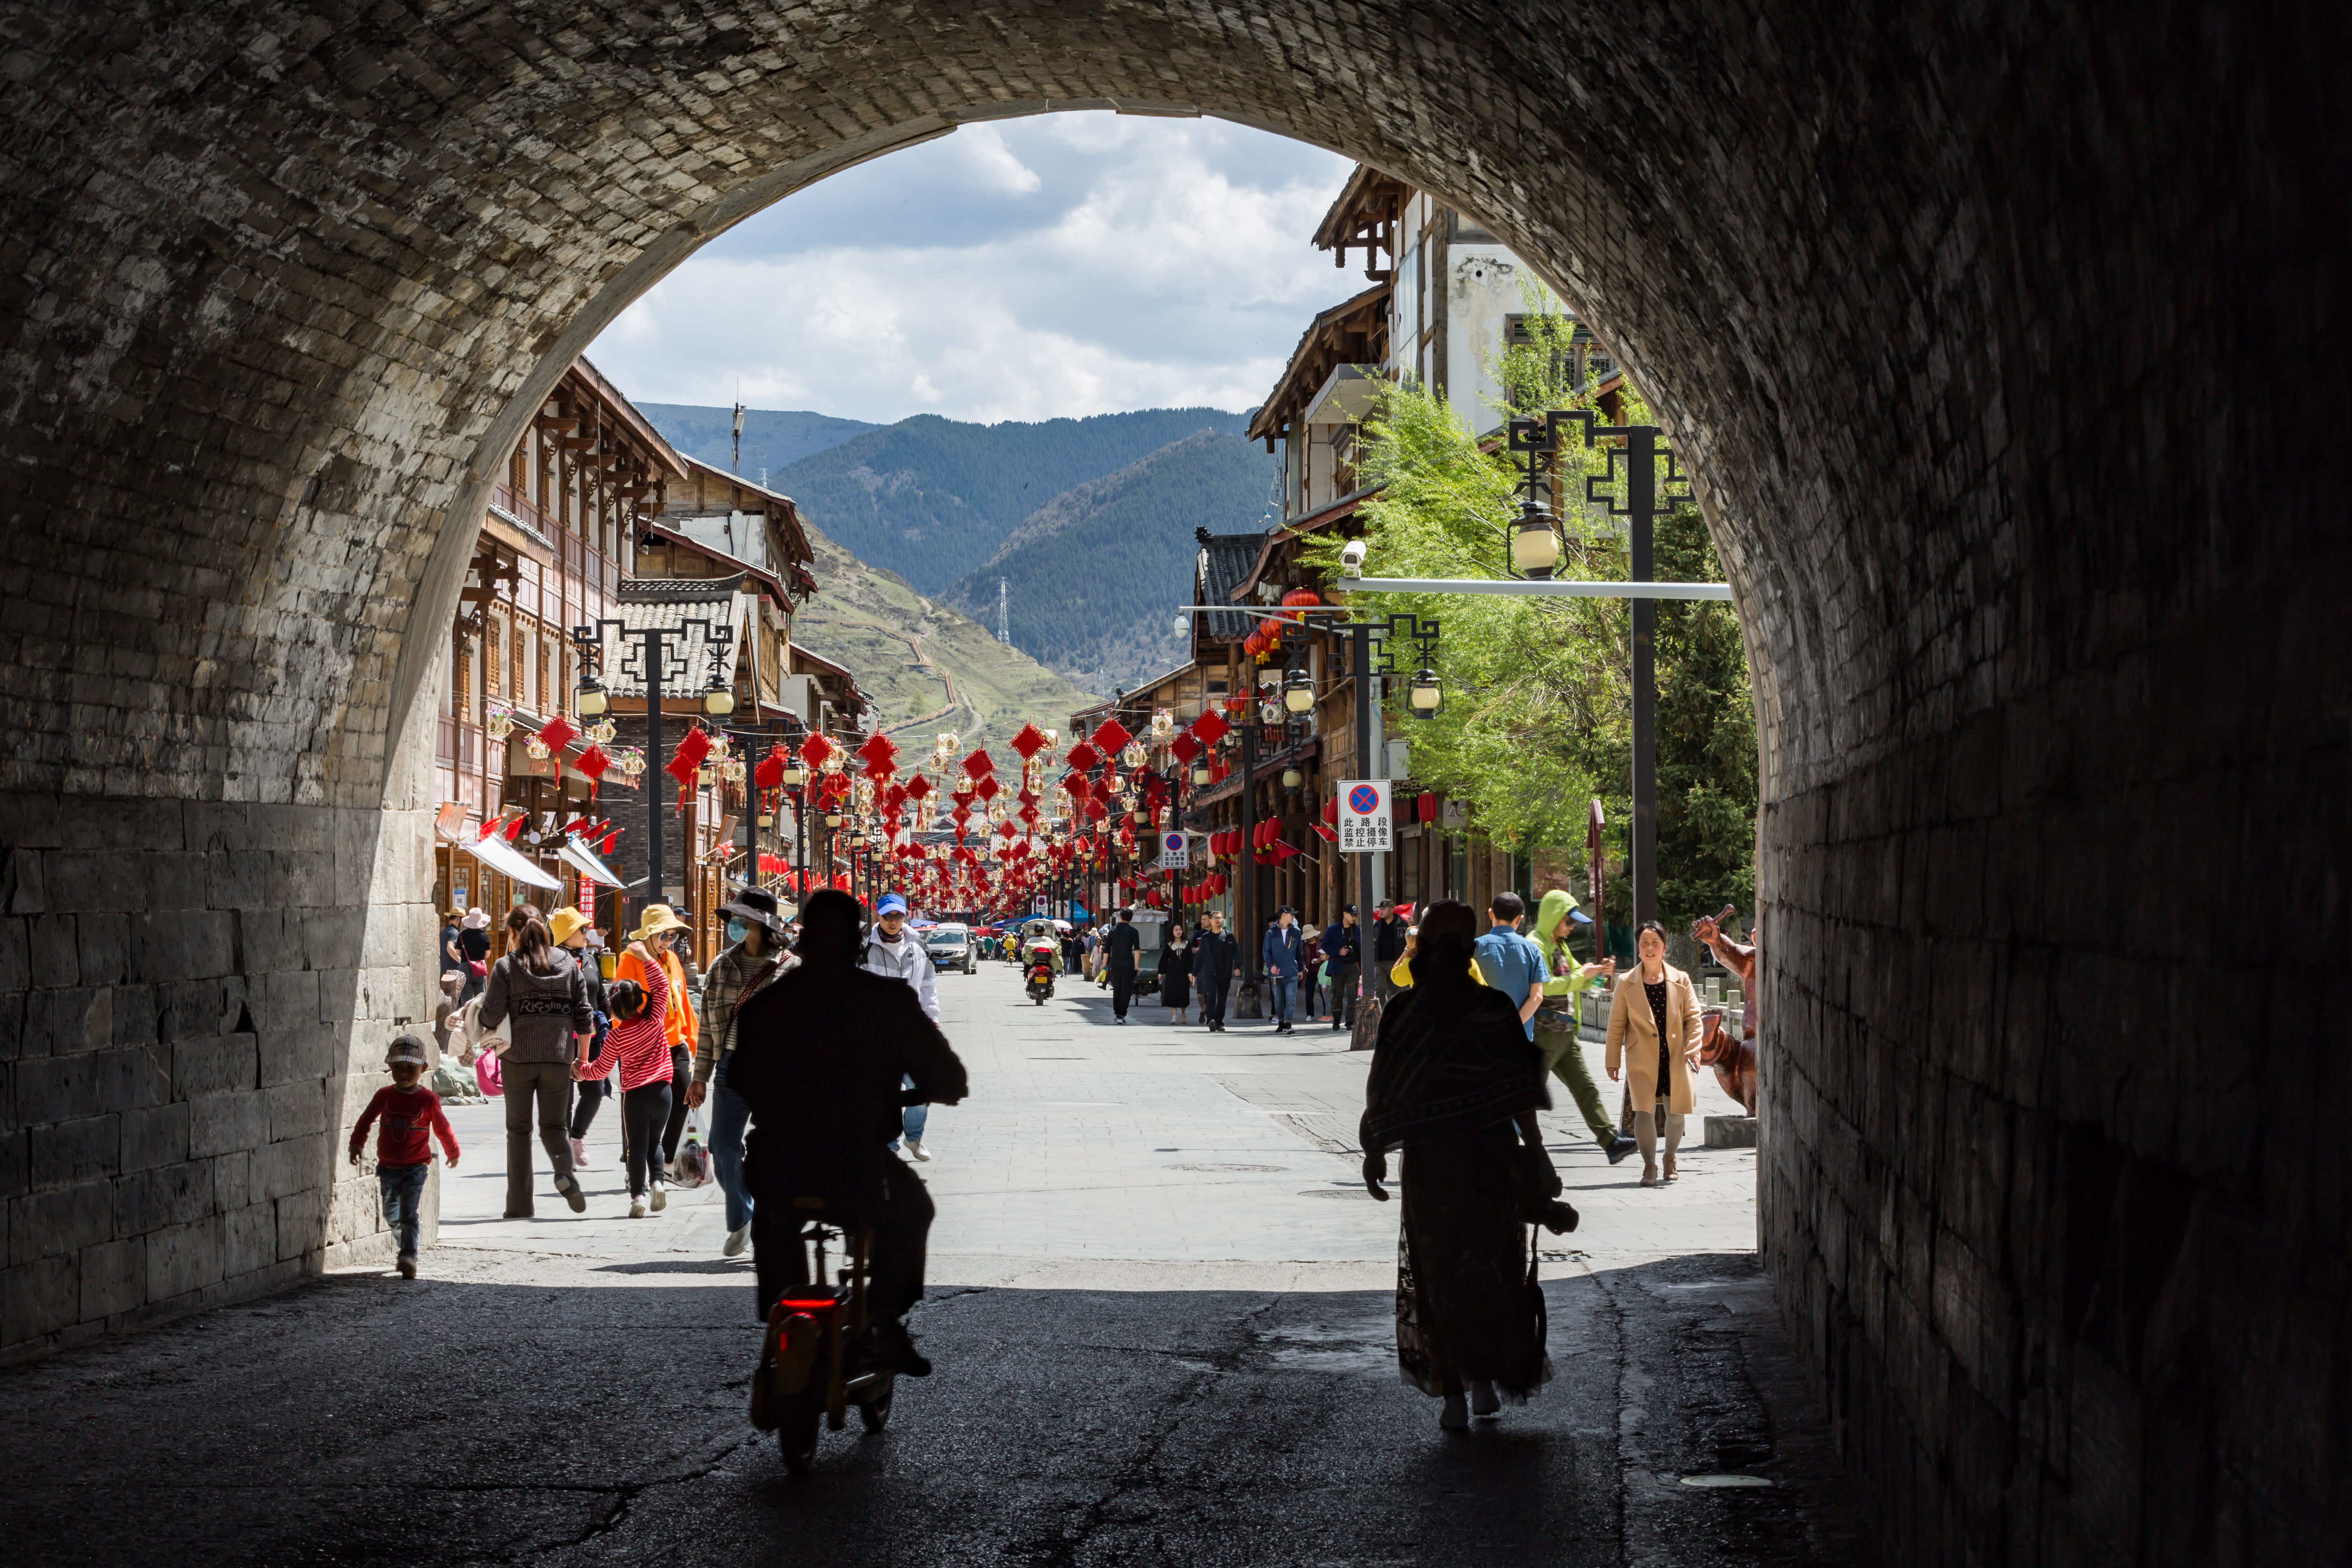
(542, 990)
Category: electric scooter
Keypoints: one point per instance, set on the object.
(814, 1355)
(1041, 980)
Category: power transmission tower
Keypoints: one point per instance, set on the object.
(1004, 611)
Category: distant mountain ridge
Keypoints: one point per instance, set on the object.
(1095, 573)
(931, 498)
(871, 623)
(773, 438)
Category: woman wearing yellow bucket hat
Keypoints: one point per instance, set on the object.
(658, 926)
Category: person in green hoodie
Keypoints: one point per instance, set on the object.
(1555, 1020)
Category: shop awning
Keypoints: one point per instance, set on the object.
(586, 861)
(502, 858)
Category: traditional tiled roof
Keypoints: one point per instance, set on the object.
(695, 605)
(1226, 562)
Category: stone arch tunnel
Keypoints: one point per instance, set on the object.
(2008, 343)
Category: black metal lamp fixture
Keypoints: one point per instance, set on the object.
(592, 698)
(1533, 546)
(1298, 691)
(1426, 696)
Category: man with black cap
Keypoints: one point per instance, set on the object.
(755, 930)
(820, 1056)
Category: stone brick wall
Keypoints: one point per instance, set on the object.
(2005, 343)
(195, 1000)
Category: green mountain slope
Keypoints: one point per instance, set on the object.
(931, 499)
(873, 624)
(1096, 574)
(773, 438)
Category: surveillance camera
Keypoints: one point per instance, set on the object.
(1351, 559)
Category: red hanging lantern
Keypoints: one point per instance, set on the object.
(593, 765)
(692, 748)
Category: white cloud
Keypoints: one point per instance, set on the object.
(1070, 265)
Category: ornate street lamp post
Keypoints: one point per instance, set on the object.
(648, 647)
(1646, 493)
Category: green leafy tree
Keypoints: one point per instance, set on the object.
(1537, 715)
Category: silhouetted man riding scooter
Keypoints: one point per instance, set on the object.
(820, 1054)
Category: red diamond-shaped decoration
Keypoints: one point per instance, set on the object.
(1186, 748)
(557, 734)
(1029, 741)
(979, 764)
(815, 751)
(1077, 786)
(1110, 737)
(879, 752)
(988, 788)
(1210, 728)
(917, 787)
(1083, 756)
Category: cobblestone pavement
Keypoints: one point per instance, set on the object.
(1161, 1312)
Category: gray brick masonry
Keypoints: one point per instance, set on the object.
(2006, 344)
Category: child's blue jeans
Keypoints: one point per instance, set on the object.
(403, 1201)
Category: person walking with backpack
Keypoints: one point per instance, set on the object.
(757, 956)
(539, 986)
(1556, 1028)
(638, 1042)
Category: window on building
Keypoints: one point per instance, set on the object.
(493, 668)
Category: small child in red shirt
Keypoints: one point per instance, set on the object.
(403, 1151)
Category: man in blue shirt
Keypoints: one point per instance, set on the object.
(1511, 964)
(1280, 951)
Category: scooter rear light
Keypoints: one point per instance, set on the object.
(826, 1305)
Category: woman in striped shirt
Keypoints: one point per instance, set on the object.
(642, 1047)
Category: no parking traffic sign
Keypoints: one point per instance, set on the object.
(1175, 850)
(1364, 823)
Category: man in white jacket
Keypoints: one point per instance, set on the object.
(892, 949)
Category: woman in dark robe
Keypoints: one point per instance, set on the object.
(1453, 1082)
(1176, 973)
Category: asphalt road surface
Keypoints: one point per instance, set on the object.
(1138, 1362)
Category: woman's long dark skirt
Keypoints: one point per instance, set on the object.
(1176, 989)
(1464, 1307)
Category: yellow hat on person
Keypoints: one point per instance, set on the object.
(566, 924)
(658, 918)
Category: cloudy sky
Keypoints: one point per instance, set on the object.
(1071, 264)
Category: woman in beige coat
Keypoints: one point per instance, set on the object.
(1654, 1036)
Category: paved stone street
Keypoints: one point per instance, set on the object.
(1161, 1312)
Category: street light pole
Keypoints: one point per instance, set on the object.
(652, 644)
(1642, 446)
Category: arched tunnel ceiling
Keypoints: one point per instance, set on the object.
(2006, 342)
(359, 241)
